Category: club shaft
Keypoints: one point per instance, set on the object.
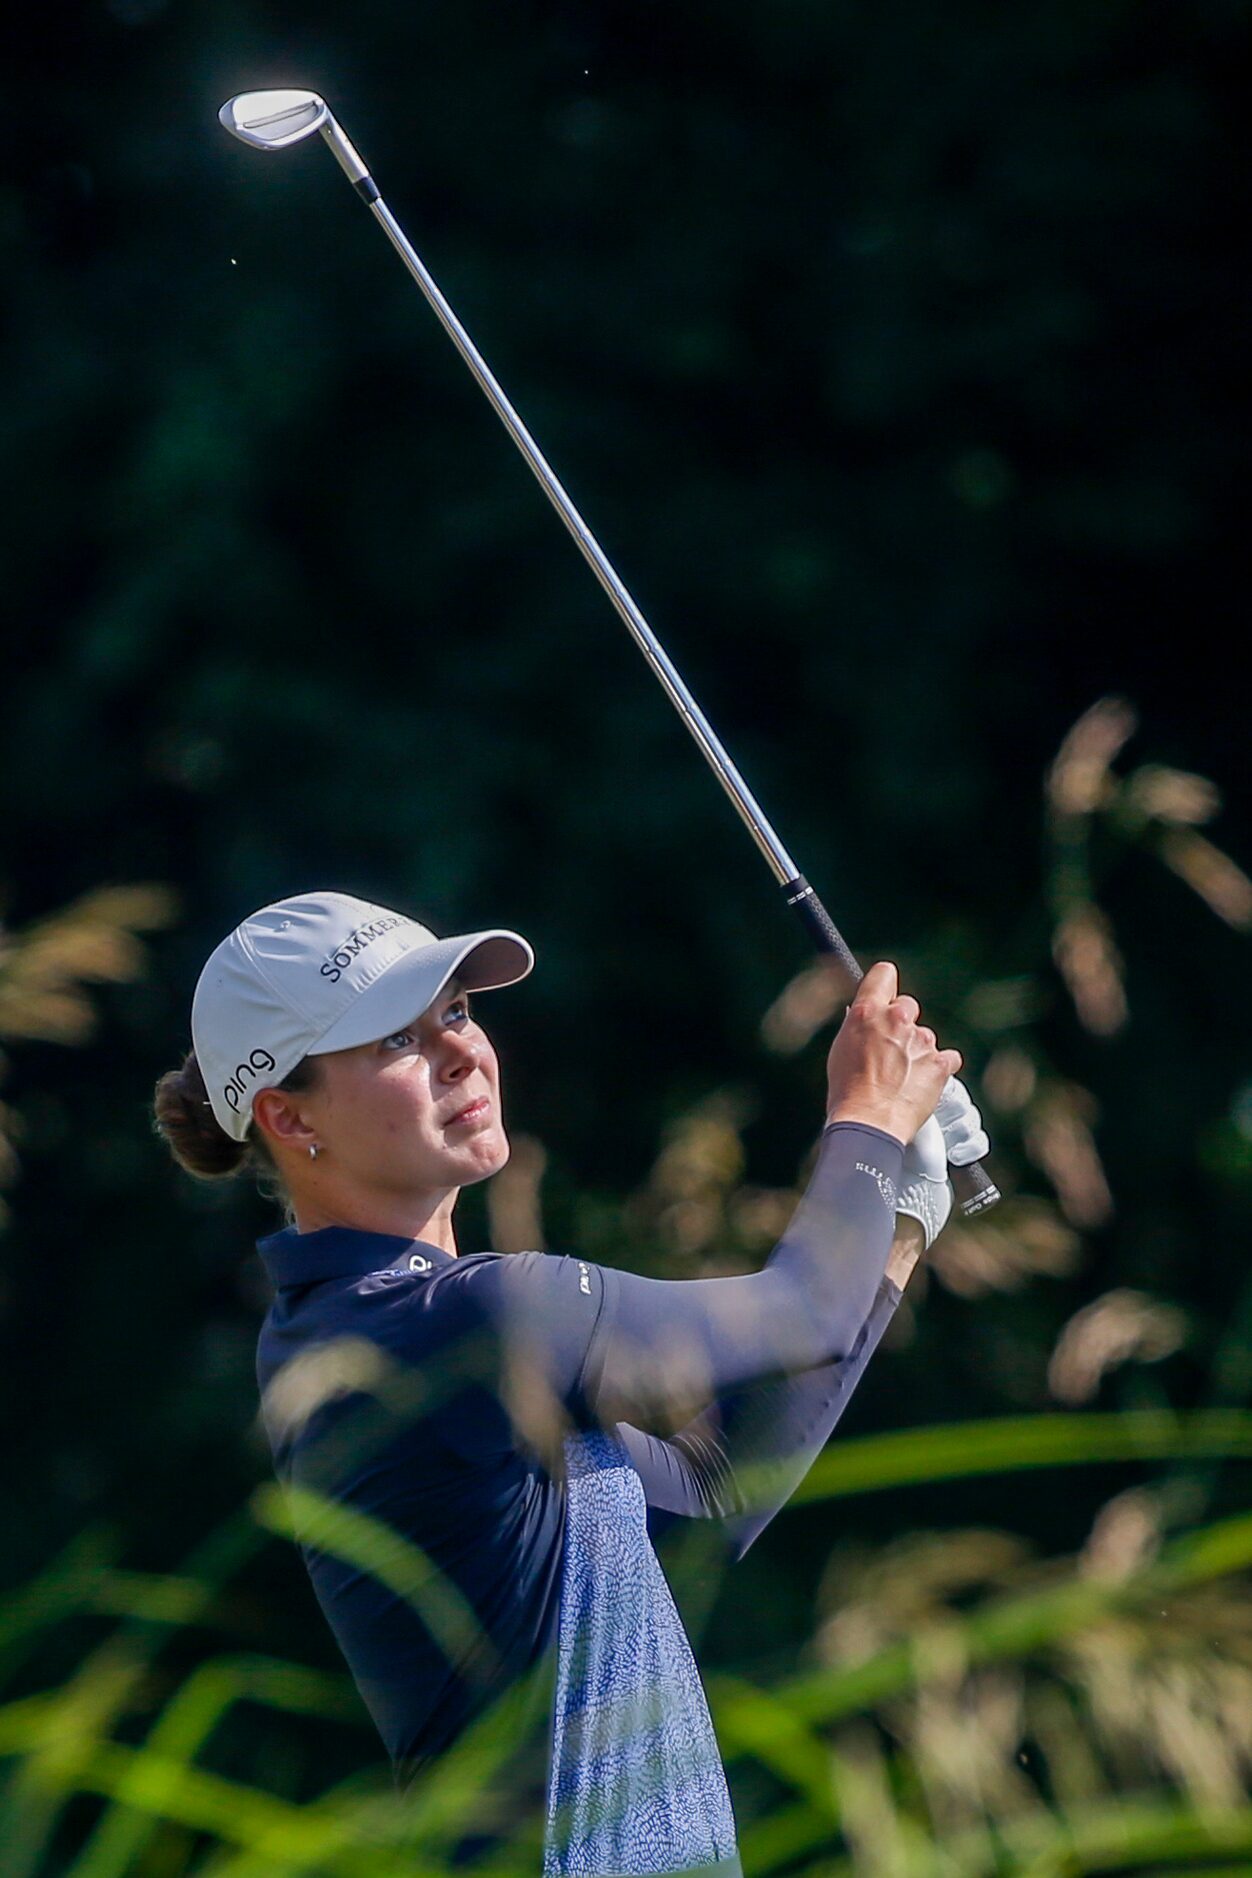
(781, 863)
(974, 1188)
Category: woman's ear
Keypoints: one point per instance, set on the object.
(278, 1115)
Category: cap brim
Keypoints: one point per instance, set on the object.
(483, 961)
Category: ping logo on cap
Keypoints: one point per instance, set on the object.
(259, 1062)
(336, 963)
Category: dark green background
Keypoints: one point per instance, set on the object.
(896, 354)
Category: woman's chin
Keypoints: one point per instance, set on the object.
(488, 1154)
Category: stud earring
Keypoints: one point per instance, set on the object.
(314, 1151)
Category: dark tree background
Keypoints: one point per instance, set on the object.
(896, 354)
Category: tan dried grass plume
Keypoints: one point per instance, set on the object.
(1120, 1327)
(45, 970)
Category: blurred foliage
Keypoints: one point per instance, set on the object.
(896, 355)
(45, 970)
(961, 1707)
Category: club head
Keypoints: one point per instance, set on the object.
(272, 119)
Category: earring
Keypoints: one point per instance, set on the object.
(314, 1151)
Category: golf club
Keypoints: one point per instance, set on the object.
(272, 120)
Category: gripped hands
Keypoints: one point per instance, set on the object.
(884, 1068)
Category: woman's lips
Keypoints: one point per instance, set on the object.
(473, 1112)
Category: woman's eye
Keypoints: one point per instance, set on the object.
(457, 1012)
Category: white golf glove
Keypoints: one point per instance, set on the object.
(954, 1133)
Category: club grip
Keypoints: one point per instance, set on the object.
(820, 927)
(973, 1186)
(976, 1192)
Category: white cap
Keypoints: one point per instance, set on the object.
(324, 972)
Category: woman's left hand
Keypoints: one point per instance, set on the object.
(954, 1133)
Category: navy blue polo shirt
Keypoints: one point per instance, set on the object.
(458, 1403)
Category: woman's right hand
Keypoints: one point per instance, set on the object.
(884, 1068)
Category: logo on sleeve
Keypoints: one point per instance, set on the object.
(584, 1279)
(886, 1186)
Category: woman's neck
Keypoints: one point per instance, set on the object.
(426, 1216)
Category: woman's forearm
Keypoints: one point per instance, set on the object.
(742, 1458)
(784, 1446)
(662, 1346)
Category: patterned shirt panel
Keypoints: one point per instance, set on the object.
(636, 1785)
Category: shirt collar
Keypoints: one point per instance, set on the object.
(305, 1258)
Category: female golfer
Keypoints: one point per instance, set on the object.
(509, 1420)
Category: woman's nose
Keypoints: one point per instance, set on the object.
(460, 1056)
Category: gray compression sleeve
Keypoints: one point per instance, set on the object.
(604, 1346)
(663, 1347)
(742, 1458)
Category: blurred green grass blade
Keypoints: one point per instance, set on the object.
(465, 1792)
(62, 1740)
(352, 1839)
(375, 1548)
(1117, 1837)
(1006, 1629)
(24, 1723)
(66, 1586)
(1212, 1551)
(783, 1834)
(1134, 1838)
(27, 1821)
(917, 1456)
(236, 1813)
(753, 1721)
(186, 1724)
(1192, 1870)
(466, 1785)
(149, 1597)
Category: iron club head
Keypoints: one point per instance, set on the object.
(270, 120)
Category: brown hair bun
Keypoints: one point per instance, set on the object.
(191, 1132)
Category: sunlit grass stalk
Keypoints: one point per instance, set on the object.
(1108, 1837)
(918, 1456)
(376, 1549)
(60, 1590)
(185, 1725)
(232, 1811)
(65, 1735)
(1009, 1627)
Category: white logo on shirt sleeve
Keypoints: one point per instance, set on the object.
(584, 1278)
(886, 1186)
